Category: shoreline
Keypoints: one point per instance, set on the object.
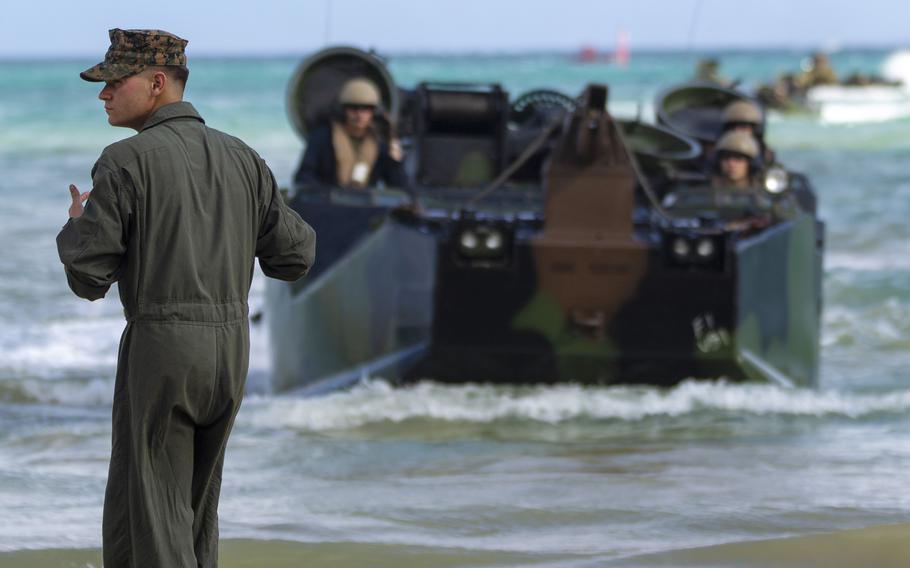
(882, 546)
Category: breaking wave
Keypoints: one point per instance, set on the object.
(63, 345)
(65, 391)
(806, 133)
(875, 261)
(377, 401)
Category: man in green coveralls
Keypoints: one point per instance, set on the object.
(176, 217)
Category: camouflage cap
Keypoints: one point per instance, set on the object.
(131, 51)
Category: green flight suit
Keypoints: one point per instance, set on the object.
(176, 216)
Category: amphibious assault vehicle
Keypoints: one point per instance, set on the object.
(541, 240)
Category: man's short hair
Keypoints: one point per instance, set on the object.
(178, 73)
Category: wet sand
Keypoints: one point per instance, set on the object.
(881, 546)
(243, 553)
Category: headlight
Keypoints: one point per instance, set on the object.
(481, 242)
(494, 240)
(681, 248)
(468, 240)
(696, 251)
(776, 181)
(705, 249)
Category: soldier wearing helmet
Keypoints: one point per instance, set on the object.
(817, 71)
(708, 70)
(745, 115)
(348, 152)
(736, 160)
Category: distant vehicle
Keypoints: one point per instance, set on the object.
(532, 247)
(858, 98)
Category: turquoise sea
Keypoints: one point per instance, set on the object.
(705, 474)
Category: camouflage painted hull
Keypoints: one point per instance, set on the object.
(754, 316)
(395, 297)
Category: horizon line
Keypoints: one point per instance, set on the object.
(436, 52)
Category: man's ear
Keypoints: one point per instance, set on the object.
(159, 82)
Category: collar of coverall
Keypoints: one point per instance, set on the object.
(171, 111)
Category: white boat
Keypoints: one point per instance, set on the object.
(840, 104)
(878, 102)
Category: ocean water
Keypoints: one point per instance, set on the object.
(476, 475)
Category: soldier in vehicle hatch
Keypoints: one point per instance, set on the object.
(176, 216)
(708, 70)
(349, 152)
(735, 172)
(817, 72)
(735, 160)
(746, 116)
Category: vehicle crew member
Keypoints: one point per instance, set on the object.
(176, 216)
(819, 72)
(746, 116)
(348, 152)
(736, 157)
(708, 70)
(743, 115)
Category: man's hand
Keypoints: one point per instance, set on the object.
(395, 151)
(77, 208)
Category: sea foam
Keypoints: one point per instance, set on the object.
(377, 401)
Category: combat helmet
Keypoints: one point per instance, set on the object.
(359, 92)
(739, 142)
(743, 111)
